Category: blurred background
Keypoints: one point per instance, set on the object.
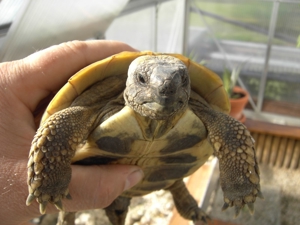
(257, 38)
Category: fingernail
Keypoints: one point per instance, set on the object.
(133, 178)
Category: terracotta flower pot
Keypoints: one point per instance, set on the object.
(238, 104)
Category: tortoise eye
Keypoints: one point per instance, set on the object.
(141, 78)
(184, 80)
(184, 77)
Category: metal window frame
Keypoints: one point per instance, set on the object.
(257, 114)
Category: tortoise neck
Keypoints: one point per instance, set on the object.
(154, 129)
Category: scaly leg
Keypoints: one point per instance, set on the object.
(117, 211)
(54, 145)
(49, 165)
(234, 147)
(66, 218)
(185, 204)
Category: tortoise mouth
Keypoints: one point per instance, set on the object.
(162, 101)
(160, 108)
(158, 111)
(154, 106)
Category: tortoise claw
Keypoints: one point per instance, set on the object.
(59, 205)
(30, 199)
(43, 206)
(204, 220)
(251, 207)
(225, 206)
(260, 195)
(68, 196)
(237, 211)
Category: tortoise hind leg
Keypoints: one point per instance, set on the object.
(66, 218)
(185, 204)
(117, 211)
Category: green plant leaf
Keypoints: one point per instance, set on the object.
(227, 81)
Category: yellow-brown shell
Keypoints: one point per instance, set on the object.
(203, 81)
(173, 154)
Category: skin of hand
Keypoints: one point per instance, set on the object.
(24, 86)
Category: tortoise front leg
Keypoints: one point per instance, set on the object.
(234, 147)
(185, 204)
(49, 165)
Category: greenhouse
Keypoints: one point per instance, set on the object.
(252, 47)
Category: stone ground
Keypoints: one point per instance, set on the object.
(152, 209)
(155, 209)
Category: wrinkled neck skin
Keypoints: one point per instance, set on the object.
(156, 128)
(158, 121)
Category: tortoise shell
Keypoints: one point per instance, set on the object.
(165, 154)
(162, 112)
(203, 81)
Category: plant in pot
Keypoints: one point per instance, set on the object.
(237, 95)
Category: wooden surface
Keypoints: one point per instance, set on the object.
(273, 129)
(276, 145)
(282, 107)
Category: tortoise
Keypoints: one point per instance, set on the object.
(162, 112)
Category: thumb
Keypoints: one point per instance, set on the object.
(97, 186)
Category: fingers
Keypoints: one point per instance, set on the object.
(91, 187)
(46, 71)
(97, 186)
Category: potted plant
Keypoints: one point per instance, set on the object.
(237, 95)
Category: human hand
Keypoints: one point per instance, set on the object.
(24, 86)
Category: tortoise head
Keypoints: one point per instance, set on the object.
(157, 86)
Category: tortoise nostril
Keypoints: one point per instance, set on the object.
(169, 87)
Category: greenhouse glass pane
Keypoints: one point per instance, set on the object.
(135, 29)
(282, 93)
(138, 29)
(230, 34)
